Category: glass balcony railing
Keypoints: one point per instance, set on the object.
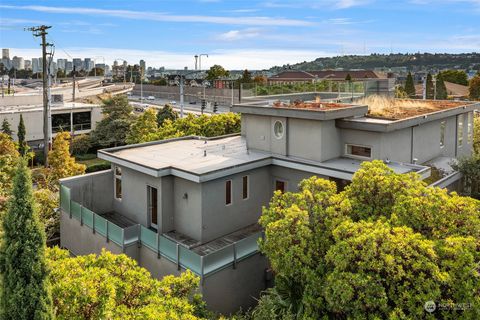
(201, 264)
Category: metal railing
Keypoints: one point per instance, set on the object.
(202, 265)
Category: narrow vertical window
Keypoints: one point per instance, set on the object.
(443, 125)
(460, 130)
(280, 185)
(245, 187)
(118, 183)
(470, 127)
(228, 192)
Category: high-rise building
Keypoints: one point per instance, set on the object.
(5, 53)
(68, 67)
(28, 65)
(61, 63)
(78, 64)
(35, 65)
(87, 64)
(18, 63)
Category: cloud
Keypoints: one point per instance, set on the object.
(234, 35)
(317, 4)
(16, 22)
(231, 59)
(164, 17)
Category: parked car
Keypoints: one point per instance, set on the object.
(150, 98)
(173, 102)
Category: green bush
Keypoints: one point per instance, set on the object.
(98, 167)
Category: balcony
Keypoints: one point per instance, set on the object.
(202, 259)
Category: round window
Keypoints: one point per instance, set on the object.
(278, 129)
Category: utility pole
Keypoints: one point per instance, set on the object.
(41, 31)
(73, 79)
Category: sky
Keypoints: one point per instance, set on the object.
(238, 34)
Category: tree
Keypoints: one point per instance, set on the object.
(21, 132)
(25, 288)
(429, 87)
(440, 88)
(96, 71)
(381, 248)
(165, 113)
(61, 73)
(143, 128)
(348, 77)
(474, 88)
(81, 144)
(110, 286)
(112, 129)
(400, 93)
(470, 168)
(246, 77)
(410, 86)
(62, 165)
(9, 157)
(455, 76)
(476, 134)
(216, 71)
(47, 202)
(6, 128)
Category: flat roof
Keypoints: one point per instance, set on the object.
(194, 155)
(201, 159)
(55, 107)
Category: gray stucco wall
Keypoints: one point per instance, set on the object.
(94, 191)
(133, 204)
(364, 138)
(305, 139)
(257, 131)
(292, 178)
(187, 199)
(220, 219)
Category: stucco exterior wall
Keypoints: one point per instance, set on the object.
(133, 204)
(292, 178)
(187, 202)
(220, 219)
(305, 139)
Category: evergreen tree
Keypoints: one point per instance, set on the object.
(441, 89)
(25, 289)
(6, 127)
(165, 113)
(474, 88)
(348, 77)
(410, 86)
(22, 144)
(429, 87)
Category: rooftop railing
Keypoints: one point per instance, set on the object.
(183, 257)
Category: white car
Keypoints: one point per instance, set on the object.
(173, 102)
(150, 98)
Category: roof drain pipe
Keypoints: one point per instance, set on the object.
(411, 147)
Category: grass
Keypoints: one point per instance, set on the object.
(390, 108)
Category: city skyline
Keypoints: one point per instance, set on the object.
(236, 35)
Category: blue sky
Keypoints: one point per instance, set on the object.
(239, 34)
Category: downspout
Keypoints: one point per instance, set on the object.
(456, 136)
(411, 145)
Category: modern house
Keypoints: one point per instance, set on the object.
(193, 203)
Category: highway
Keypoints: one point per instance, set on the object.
(188, 108)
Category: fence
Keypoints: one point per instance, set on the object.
(202, 265)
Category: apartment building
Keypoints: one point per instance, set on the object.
(193, 202)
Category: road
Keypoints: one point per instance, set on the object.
(187, 108)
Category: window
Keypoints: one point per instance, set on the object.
(443, 125)
(228, 192)
(82, 121)
(118, 183)
(278, 129)
(470, 127)
(280, 185)
(358, 151)
(60, 122)
(460, 130)
(245, 187)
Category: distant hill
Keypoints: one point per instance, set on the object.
(415, 61)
